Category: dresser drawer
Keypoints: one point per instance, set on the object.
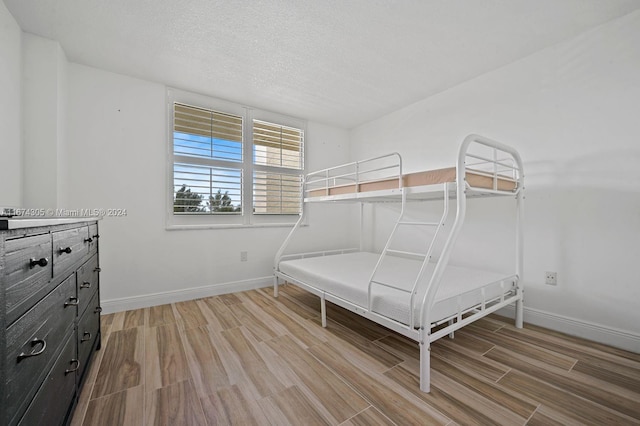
(88, 279)
(32, 343)
(68, 248)
(27, 273)
(93, 238)
(53, 400)
(88, 332)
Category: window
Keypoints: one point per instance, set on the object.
(231, 165)
(207, 161)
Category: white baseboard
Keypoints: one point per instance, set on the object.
(595, 332)
(155, 299)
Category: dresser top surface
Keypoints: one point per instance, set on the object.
(24, 222)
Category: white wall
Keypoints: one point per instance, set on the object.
(116, 146)
(10, 110)
(43, 101)
(572, 111)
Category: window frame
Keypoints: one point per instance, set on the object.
(247, 218)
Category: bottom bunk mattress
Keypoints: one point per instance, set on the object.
(346, 276)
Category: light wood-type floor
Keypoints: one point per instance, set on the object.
(247, 358)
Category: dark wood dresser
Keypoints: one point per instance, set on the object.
(49, 316)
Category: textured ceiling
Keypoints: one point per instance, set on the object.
(333, 61)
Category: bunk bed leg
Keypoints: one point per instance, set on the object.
(425, 366)
(451, 334)
(323, 311)
(275, 286)
(519, 313)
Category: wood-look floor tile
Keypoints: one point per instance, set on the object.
(105, 323)
(255, 322)
(360, 325)
(229, 406)
(87, 389)
(291, 407)
(205, 362)
(260, 299)
(467, 341)
(532, 351)
(294, 290)
(402, 408)
(294, 305)
(458, 402)
(545, 416)
(121, 366)
(577, 343)
(570, 345)
(400, 346)
(338, 398)
(472, 362)
(160, 315)
(310, 302)
(484, 388)
(265, 382)
(369, 417)
(343, 334)
(627, 379)
(133, 318)
(297, 329)
(165, 360)
(217, 314)
(127, 319)
(366, 354)
(492, 323)
(230, 299)
(255, 359)
(124, 408)
(579, 409)
(117, 321)
(174, 405)
(608, 365)
(578, 386)
(448, 405)
(189, 314)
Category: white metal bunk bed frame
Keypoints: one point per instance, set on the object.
(460, 190)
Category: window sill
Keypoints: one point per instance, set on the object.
(230, 226)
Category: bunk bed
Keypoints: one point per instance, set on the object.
(417, 294)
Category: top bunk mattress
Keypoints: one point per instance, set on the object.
(346, 276)
(475, 179)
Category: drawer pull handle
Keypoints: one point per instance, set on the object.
(38, 262)
(65, 250)
(84, 339)
(73, 301)
(85, 284)
(97, 310)
(88, 240)
(71, 370)
(34, 352)
(96, 236)
(97, 270)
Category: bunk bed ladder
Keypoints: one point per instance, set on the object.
(423, 257)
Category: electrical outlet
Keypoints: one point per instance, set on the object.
(551, 278)
(244, 256)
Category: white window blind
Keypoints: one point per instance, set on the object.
(207, 172)
(278, 166)
(204, 190)
(276, 193)
(276, 145)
